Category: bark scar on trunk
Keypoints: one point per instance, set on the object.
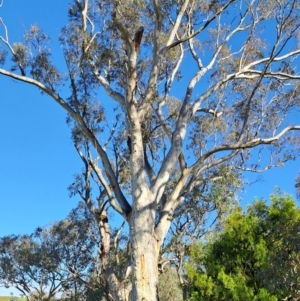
(143, 270)
(157, 247)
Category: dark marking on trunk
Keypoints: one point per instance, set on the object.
(129, 144)
(138, 38)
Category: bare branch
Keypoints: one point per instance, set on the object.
(169, 80)
(249, 144)
(116, 242)
(6, 42)
(250, 74)
(274, 59)
(169, 46)
(108, 190)
(119, 98)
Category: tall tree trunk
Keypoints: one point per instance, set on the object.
(118, 289)
(144, 255)
(144, 251)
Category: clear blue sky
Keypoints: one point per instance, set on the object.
(37, 158)
(36, 151)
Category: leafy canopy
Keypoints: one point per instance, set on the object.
(256, 255)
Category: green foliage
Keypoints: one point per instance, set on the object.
(254, 257)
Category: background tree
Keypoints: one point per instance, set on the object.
(254, 257)
(297, 185)
(78, 241)
(154, 150)
(30, 264)
(169, 286)
(61, 258)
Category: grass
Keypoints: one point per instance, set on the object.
(8, 298)
(5, 298)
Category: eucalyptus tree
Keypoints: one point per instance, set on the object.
(192, 87)
(77, 239)
(59, 259)
(31, 265)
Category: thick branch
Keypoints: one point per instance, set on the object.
(87, 132)
(149, 170)
(167, 211)
(249, 144)
(176, 25)
(124, 32)
(158, 19)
